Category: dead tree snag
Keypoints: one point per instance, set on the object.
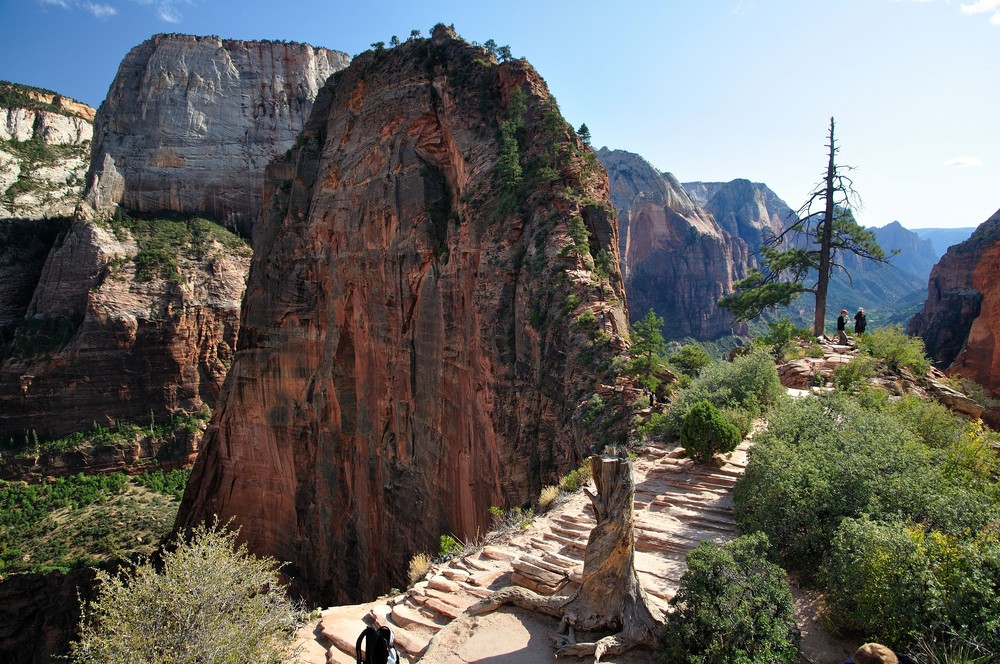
(610, 597)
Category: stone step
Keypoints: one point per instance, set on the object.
(408, 613)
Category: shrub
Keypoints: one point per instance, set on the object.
(547, 497)
(707, 431)
(749, 383)
(212, 602)
(732, 606)
(900, 582)
(420, 563)
(449, 547)
(783, 335)
(690, 359)
(854, 375)
(895, 348)
(576, 479)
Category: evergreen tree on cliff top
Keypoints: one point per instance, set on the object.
(809, 247)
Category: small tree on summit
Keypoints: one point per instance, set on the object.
(584, 133)
(812, 246)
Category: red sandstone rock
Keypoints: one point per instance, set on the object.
(409, 351)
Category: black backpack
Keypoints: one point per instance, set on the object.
(379, 647)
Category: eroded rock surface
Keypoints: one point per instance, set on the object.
(190, 123)
(422, 333)
(961, 318)
(676, 259)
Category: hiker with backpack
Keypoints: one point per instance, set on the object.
(378, 648)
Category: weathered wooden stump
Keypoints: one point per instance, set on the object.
(610, 597)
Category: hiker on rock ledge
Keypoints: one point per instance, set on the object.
(842, 328)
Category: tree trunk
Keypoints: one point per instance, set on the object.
(610, 597)
(825, 240)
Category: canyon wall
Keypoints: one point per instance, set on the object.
(960, 322)
(425, 323)
(135, 313)
(44, 151)
(190, 123)
(675, 257)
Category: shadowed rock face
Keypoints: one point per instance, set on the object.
(409, 351)
(957, 296)
(190, 123)
(960, 323)
(675, 258)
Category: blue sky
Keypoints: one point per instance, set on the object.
(707, 89)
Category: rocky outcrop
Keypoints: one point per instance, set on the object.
(44, 150)
(955, 302)
(136, 316)
(420, 334)
(979, 358)
(675, 258)
(744, 209)
(190, 123)
(124, 326)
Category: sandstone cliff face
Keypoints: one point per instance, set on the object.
(190, 123)
(418, 340)
(103, 343)
(957, 298)
(744, 209)
(675, 258)
(44, 150)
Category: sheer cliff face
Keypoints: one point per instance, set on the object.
(410, 353)
(130, 318)
(190, 123)
(44, 151)
(675, 258)
(960, 323)
(744, 209)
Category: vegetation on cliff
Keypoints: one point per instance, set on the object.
(891, 506)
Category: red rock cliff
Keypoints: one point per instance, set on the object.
(418, 340)
(961, 317)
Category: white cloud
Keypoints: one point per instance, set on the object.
(100, 11)
(962, 162)
(980, 7)
(168, 13)
(55, 3)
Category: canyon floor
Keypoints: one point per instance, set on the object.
(678, 504)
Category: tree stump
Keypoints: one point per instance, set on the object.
(610, 597)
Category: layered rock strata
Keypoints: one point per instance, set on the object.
(744, 209)
(423, 327)
(44, 150)
(962, 296)
(190, 123)
(675, 257)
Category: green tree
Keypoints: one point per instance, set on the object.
(691, 359)
(212, 602)
(491, 47)
(648, 350)
(732, 606)
(503, 53)
(584, 133)
(807, 248)
(706, 431)
(394, 41)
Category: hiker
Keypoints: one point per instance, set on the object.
(379, 648)
(876, 653)
(842, 328)
(860, 322)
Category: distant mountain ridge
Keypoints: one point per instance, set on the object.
(942, 238)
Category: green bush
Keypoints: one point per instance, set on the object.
(749, 384)
(690, 359)
(854, 375)
(212, 602)
(732, 606)
(449, 547)
(898, 582)
(895, 348)
(823, 460)
(706, 431)
(576, 479)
